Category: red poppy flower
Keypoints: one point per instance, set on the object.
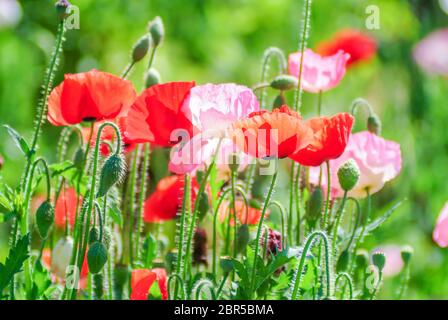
(164, 203)
(108, 137)
(66, 206)
(360, 46)
(142, 281)
(330, 139)
(278, 133)
(250, 216)
(156, 114)
(89, 96)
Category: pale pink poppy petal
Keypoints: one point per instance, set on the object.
(440, 234)
(431, 53)
(319, 73)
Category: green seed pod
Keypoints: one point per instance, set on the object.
(374, 124)
(112, 172)
(78, 158)
(94, 235)
(279, 101)
(348, 175)
(343, 261)
(141, 48)
(242, 237)
(314, 207)
(379, 260)
(226, 264)
(45, 218)
(62, 9)
(96, 257)
(157, 31)
(152, 77)
(406, 254)
(284, 82)
(204, 206)
(362, 258)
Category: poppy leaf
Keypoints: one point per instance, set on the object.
(116, 215)
(18, 140)
(61, 167)
(14, 262)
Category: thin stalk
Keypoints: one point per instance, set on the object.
(131, 200)
(297, 202)
(128, 69)
(260, 225)
(327, 203)
(348, 281)
(143, 188)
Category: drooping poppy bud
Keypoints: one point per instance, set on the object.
(96, 257)
(112, 172)
(62, 9)
(78, 158)
(242, 237)
(348, 175)
(314, 207)
(343, 261)
(94, 235)
(141, 48)
(279, 101)
(379, 260)
(204, 205)
(157, 31)
(374, 124)
(362, 258)
(200, 247)
(406, 254)
(152, 77)
(284, 82)
(45, 218)
(226, 264)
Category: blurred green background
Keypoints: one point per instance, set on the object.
(223, 41)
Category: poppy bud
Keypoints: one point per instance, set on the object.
(226, 264)
(152, 77)
(140, 49)
(44, 218)
(203, 205)
(111, 173)
(362, 258)
(374, 124)
(156, 30)
(62, 9)
(61, 255)
(314, 207)
(254, 203)
(234, 162)
(279, 101)
(200, 247)
(379, 260)
(199, 176)
(343, 261)
(274, 242)
(284, 82)
(348, 175)
(242, 237)
(406, 254)
(96, 257)
(94, 235)
(78, 158)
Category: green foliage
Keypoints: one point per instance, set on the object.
(14, 262)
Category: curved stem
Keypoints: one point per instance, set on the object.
(377, 286)
(128, 69)
(348, 280)
(299, 270)
(260, 225)
(197, 290)
(221, 286)
(282, 214)
(178, 280)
